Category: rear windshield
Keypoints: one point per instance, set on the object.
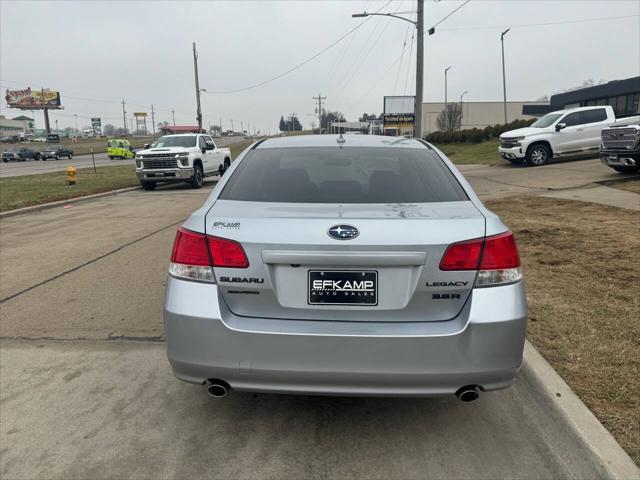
(343, 175)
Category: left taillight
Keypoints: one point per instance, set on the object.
(195, 254)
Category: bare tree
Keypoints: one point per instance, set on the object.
(450, 118)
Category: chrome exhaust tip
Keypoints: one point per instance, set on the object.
(468, 394)
(218, 390)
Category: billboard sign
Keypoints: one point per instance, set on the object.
(399, 115)
(139, 114)
(28, 99)
(96, 126)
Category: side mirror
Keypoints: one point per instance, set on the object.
(146, 145)
(560, 126)
(204, 150)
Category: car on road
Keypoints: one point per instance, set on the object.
(620, 148)
(56, 152)
(181, 158)
(568, 133)
(359, 265)
(20, 154)
(119, 148)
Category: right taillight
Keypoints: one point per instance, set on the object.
(496, 259)
(194, 254)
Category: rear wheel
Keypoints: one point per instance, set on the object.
(148, 185)
(70, 156)
(198, 177)
(5, 160)
(538, 155)
(624, 169)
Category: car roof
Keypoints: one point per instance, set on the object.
(332, 141)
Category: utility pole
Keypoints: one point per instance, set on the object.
(57, 131)
(153, 121)
(419, 24)
(242, 127)
(446, 111)
(173, 114)
(293, 115)
(220, 125)
(76, 115)
(124, 118)
(319, 98)
(195, 68)
(417, 125)
(232, 125)
(504, 81)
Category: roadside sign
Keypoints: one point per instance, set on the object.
(96, 126)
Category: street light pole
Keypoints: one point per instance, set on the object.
(504, 81)
(419, 24)
(417, 123)
(195, 69)
(446, 111)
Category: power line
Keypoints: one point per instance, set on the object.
(404, 47)
(313, 57)
(523, 25)
(450, 13)
(409, 65)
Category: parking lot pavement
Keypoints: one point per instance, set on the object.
(86, 390)
(113, 410)
(492, 182)
(32, 167)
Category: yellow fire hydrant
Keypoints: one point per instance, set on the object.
(71, 175)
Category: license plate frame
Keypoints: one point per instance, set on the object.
(359, 294)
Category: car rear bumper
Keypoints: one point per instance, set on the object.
(482, 346)
(172, 175)
(513, 153)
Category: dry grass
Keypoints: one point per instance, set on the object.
(582, 271)
(18, 192)
(631, 185)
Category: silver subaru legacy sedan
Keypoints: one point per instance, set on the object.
(356, 265)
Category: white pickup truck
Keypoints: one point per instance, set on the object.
(181, 158)
(565, 133)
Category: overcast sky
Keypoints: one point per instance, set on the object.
(95, 53)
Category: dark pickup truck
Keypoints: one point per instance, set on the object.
(620, 148)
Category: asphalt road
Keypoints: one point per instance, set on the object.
(86, 391)
(32, 167)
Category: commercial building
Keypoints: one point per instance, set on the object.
(15, 126)
(622, 95)
(480, 114)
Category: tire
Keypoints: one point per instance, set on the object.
(149, 186)
(70, 156)
(110, 158)
(5, 160)
(198, 177)
(538, 155)
(44, 159)
(57, 157)
(624, 169)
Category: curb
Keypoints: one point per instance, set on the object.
(44, 206)
(557, 395)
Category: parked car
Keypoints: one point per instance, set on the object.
(119, 148)
(6, 139)
(19, 154)
(620, 148)
(181, 158)
(345, 266)
(562, 134)
(56, 152)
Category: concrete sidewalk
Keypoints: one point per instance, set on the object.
(77, 410)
